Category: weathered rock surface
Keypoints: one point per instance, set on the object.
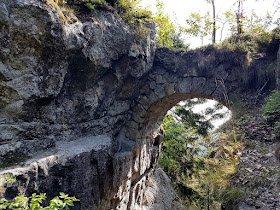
(81, 102)
(278, 70)
(159, 194)
(74, 167)
(61, 85)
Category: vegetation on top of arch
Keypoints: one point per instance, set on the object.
(129, 11)
(265, 42)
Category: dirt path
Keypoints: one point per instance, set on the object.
(259, 171)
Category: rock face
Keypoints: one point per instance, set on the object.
(278, 70)
(81, 103)
(63, 83)
(70, 167)
(159, 193)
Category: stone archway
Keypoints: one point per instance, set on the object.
(209, 73)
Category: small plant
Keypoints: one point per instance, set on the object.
(92, 4)
(129, 11)
(10, 178)
(231, 196)
(272, 108)
(34, 202)
(61, 8)
(271, 111)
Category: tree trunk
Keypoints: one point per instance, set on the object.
(214, 22)
(239, 16)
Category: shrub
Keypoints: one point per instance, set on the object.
(230, 197)
(63, 201)
(271, 111)
(277, 129)
(254, 43)
(34, 202)
(135, 16)
(129, 11)
(272, 108)
(90, 4)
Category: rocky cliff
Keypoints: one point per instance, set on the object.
(80, 104)
(278, 70)
(66, 91)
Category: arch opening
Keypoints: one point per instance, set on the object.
(194, 154)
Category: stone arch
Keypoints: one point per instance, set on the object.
(210, 73)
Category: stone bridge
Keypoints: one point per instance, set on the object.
(175, 76)
(81, 103)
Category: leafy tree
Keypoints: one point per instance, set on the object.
(193, 120)
(252, 23)
(199, 26)
(182, 128)
(236, 19)
(256, 24)
(198, 171)
(168, 34)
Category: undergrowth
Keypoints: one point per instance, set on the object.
(64, 11)
(271, 111)
(266, 42)
(34, 202)
(129, 11)
(201, 168)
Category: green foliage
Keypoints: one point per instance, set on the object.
(272, 108)
(34, 202)
(174, 147)
(199, 26)
(249, 33)
(182, 128)
(199, 168)
(255, 43)
(257, 24)
(168, 34)
(129, 11)
(92, 4)
(7, 179)
(195, 121)
(10, 178)
(277, 129)
(231, 196)
(63, 10)
(135, 16)
(271, 111)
